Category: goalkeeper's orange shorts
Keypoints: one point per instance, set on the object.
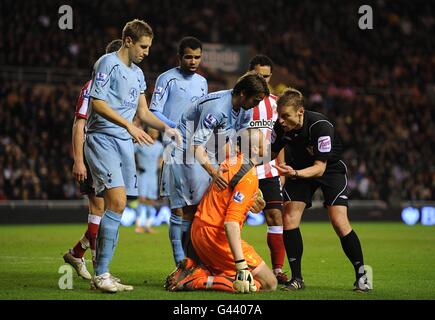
(213, 249)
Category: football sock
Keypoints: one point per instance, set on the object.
(141, 215)
(150, 214)
(175, 237)
(294, 248)
(276, 245)
(88, 239)
(352, 248)
(91, 234)
(78, 251)
(107, 239)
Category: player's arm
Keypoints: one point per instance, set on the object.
(78, 139)
(154, 122)
(216, 174)
(315, 171)
(103, 109)
(242, 199)
(322, 139)
(232, 231)
(160, 96)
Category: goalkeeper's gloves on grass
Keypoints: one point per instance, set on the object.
(244, 282)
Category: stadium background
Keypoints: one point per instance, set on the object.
(377, 85)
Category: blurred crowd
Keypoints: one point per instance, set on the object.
(376, 85)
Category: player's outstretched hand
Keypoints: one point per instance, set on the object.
(79, 171)
(285, 170)
(174, 134)
(219, 179)
(139, 135)
(244, 282)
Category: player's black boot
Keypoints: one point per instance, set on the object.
(294, 284)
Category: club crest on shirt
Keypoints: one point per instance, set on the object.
(101, 77)
(132, 95)
(210, 121)
(324, 144)
(158, 90)
(238, 197)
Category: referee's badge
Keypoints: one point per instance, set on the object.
(324, 144)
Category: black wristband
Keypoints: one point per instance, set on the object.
(238, 261)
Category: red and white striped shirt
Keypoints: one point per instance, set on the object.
(263, 118)
(83, 101)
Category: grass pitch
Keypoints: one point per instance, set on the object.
(402, 258)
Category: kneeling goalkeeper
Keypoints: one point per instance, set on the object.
(228, 263)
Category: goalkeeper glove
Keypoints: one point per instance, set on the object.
(259, 203)
(244, 282)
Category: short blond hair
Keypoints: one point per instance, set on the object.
(291, 97)
(136, 29)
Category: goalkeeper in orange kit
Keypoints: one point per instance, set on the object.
(227, 262)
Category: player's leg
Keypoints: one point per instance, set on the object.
(335, 191)
(74, 256)
(113, 169)
(175, 234)
(350, 244)
(265, 276)
(273, 212)
(96, 207)
(197, 182)
(293, 243)
(149, 218)
(172, 186)
(297, 196)
(140, 215)
(188, 215)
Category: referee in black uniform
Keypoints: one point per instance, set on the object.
(313, 156)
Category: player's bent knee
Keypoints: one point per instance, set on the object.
(273, 217)
(96, 205)
(116, 205)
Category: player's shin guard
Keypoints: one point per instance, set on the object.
(276, 245)
(175, 237)
(294, 248)
(106, 241)
(352, 248)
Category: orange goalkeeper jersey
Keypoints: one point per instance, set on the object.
(216, 206)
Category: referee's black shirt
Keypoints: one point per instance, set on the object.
(316, 140)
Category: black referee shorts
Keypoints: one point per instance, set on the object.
(272, 194)
(333, 185)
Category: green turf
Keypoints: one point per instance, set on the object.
(402, 258)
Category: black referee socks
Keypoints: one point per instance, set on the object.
(352, 249)
(294, 248)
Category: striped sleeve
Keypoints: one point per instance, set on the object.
(83, 101)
